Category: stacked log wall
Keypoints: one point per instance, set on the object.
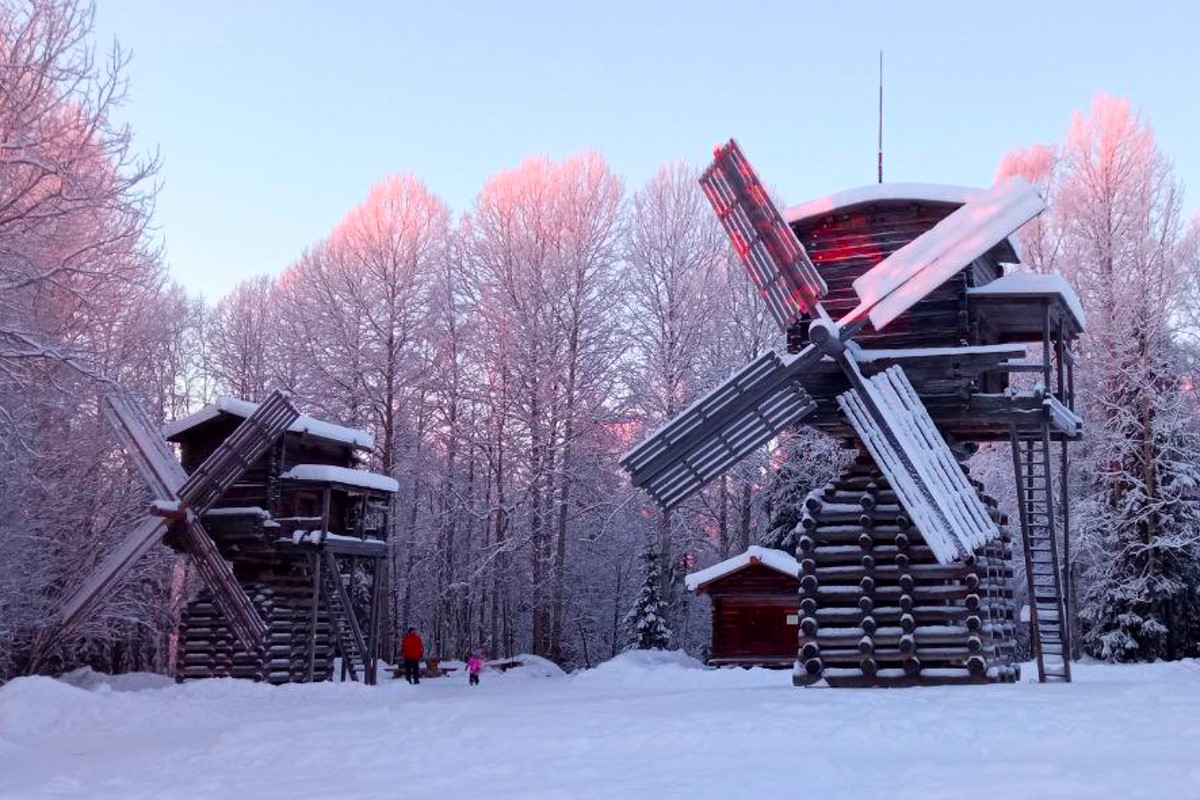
(208, 649)
(876, 607)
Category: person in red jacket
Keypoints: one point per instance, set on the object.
(411, 650)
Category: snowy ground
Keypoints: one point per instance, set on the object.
(627, 729)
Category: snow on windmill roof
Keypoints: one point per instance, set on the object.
(878, 192)
(774, 559)
(884, 192)
(236, 407)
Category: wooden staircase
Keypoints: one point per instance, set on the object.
(1048, 618)
(347, 632)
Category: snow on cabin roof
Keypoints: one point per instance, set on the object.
(877, 192)
(1031, 283)
(775, 559)
(236, 407)
(327, 473)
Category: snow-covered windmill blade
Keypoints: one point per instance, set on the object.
(894, 425)
(179, 500)
(722, 427)
(774, 258)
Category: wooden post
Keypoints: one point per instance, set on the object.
(1046, 346)
(371, 657)
(315, 568)
(326, 501)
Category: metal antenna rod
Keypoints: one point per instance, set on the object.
(880, 161)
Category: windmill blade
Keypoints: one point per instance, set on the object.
(234, 455)
(910, 274)
(105, 577)
(194, 493)
(162, 473)
(771, 253)
(150, 454)
(228, 594)
(897, 430)
(721, 428)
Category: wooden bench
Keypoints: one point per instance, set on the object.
(430, 668)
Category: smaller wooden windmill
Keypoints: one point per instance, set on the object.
(179, 500)
(905, 573)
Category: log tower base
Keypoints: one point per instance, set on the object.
(877, 609)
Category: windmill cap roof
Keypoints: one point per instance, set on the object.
(877, 193)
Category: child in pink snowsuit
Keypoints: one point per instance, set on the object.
(474, 667)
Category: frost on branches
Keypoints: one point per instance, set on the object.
(1142, 524)
(82, 301)
(646, 623)
(1117, 231)
(805, 460)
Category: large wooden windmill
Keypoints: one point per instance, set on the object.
(903, 331)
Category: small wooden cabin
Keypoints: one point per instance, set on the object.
(306, 533)
(755, 602)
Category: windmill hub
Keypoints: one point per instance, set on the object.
(827, 336)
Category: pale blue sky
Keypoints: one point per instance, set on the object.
(274, 118)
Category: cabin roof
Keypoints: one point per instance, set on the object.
(1032, 289)
(327, 473)
(235, 407)
(773, 559)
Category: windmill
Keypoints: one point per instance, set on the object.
(911, 465)
(174, 514)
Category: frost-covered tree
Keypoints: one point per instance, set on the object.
(804, 460)
(646, 622)
(1143, 527)
(82, 303)
(240, 337)
(675, 254)
(1117, 232)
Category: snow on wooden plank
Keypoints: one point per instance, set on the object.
(326, 473)
(912, 272)
(243, 408)
(919, 465)
(777, 560)
(319, 537)
(1029, 284)
(238, 511)
(1000, 351)
(1063, 418)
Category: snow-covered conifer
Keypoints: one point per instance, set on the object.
(646, 622)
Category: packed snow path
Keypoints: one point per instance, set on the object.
(627, 729)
